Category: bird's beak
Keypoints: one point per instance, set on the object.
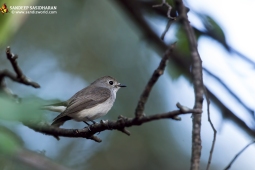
(122, 85)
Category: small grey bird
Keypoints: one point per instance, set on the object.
(89, 103)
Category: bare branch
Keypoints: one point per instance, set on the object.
(233, 160)
(170, 21)
(19, 77)
(158, 72)
(214, 130)
(119, 124)
(197, 76)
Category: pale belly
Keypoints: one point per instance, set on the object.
(93, 113)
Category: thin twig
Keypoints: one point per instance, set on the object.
(170, 21)
(158, 72)
(235, 96)
(119, 124)
(168, 6)
(213, 128)
(197, 76)
(233, 160)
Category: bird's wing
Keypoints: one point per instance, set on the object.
(85, 99)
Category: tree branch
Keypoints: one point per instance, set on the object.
(19, 77)
(197, 76)
(171, 19)
(213, 128)
(158, 72)
(119, 124)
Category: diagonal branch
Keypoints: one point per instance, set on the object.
(19, 77)
(239, 153)
(235, 96)
(158, 72)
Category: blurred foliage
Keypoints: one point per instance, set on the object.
(27, 110)
(9, 141)
(212, 30)
(183, 43)
(11, 23)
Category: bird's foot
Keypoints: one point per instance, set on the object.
(92, 121)
(88, 127)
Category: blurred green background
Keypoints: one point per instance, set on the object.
(65, 52)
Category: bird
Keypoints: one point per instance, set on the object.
(88, 104)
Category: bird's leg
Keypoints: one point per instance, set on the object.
(86, 123)
(91, 125)
(87, 126)
(91, 120)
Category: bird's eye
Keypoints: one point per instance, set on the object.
(111, 82)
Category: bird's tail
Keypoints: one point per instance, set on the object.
(59, 122)
(57, 107)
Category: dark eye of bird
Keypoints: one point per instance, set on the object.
(111, 82)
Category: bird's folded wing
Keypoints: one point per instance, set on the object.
(88, 100)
